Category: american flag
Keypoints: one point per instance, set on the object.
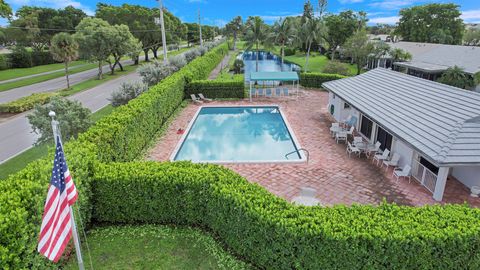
(56, 228)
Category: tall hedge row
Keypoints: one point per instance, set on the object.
(315, 80)
(124, 134)
(220, 88)
(120, 136)
(271, 233)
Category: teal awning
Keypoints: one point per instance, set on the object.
(274, 76)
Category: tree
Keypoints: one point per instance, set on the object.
(336, 67)
(72, 117)
(399, 55)
(307, 12)
(381, 49)
(322, 7)
(127, 92)
(434, 23)
(339, 28)
(456, 76)
(472, 37)
(256, 35)
(121, 42)
(95, 37)
(234, 27)
(283, 33)
(5, 9)
(64, 48)
(358, 47)
(311, 31)
(39, 24)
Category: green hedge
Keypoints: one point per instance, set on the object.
(125, 133)
(128, 129)
(26, 103)
(220, 88)
(315, 80)
(271, 233)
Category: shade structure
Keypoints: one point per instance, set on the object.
(287, 76)
(274, 76)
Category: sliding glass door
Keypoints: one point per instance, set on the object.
(384, 138)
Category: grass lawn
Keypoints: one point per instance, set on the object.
(154, 247)
(20, 72)
(19, 162)
(316, 62)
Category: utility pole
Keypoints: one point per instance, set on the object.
(164, 41)
(200, 26)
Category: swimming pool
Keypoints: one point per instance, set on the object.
(267, 62)
(238, 134)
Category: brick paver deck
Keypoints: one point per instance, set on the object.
(337, 178)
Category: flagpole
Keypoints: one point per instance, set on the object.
(76, 240)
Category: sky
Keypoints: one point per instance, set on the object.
(218, 12)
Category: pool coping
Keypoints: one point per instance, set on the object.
(296, 143)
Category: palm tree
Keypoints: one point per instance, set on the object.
(234, 27)
(64, 48)
(381, 50)
(456, 76)
(311, 31)
(256, 34)
(399, 55)
(283, 33)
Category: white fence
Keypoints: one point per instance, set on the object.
(423, 175)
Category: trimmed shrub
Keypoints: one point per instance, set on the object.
(154, 72)
(4, 62)
(274, 234)
(178, 61)
(238, 66)
(127, 92)
(220, 88)
(315, 80)
(42, 58)
(336, 67)
(191, 54)
(290, 51)
(26, 103)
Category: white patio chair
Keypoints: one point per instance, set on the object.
(374, 149)
(404, 172)
(268, 92)
(341, 136)
(353, 149)
(285, 92)
(381, 157)
(334, 129)
(357, 140)
(202, 97)
(260, 92)
(195, 99)
(350, 131)
(392, 162)
(278, 92)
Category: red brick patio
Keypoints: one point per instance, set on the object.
(337, 178)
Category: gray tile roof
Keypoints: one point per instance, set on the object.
(440, 121)
(426, 54)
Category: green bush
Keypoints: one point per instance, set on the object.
(220, 88)
(4, 62)
(271, 233)
(26, 103)
(42, 58)
(315, 80)
(20, 58)
(290, 51)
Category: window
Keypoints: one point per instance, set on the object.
(366, 127)
(385, 138)
(429, 165)
(346, 105)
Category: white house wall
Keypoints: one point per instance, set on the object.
(405, 151)
(469, 176)
(340, 113)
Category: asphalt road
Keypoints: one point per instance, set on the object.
(16, 134)
(54, 84)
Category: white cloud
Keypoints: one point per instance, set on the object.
(471, 15)
(393, 4)
(384, 20)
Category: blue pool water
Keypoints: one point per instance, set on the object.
(267, 62)
(238, 134)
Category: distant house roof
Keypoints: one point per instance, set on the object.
(274, 76)
(440, 121)
(440, 56)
